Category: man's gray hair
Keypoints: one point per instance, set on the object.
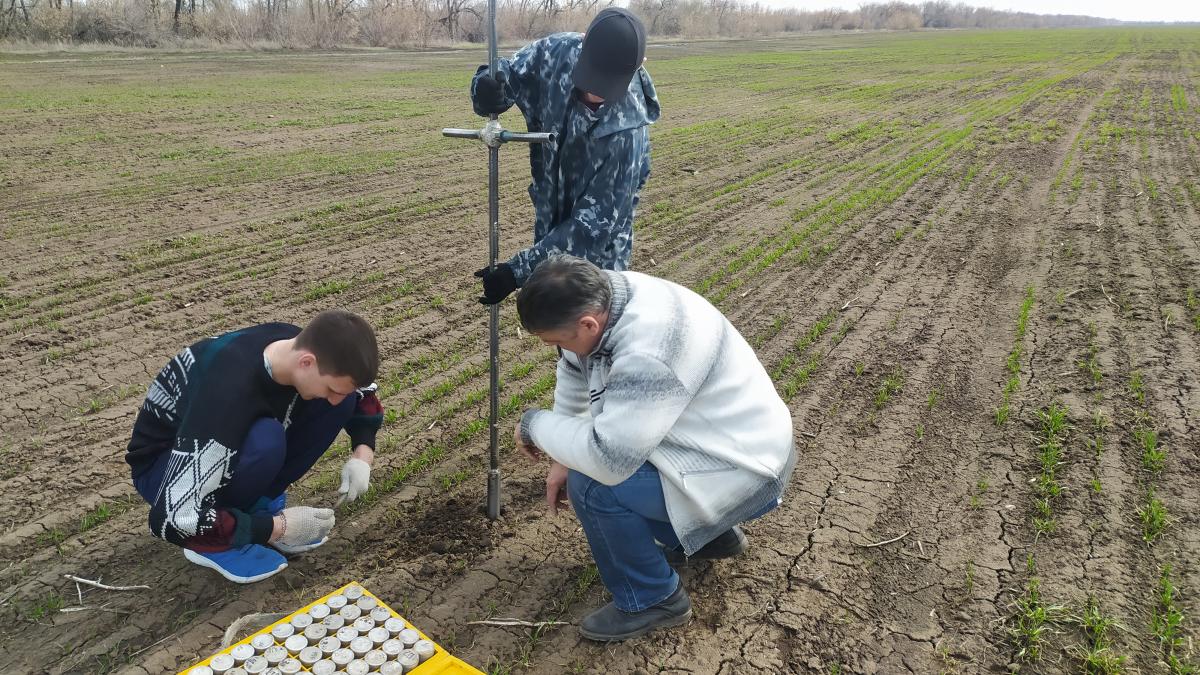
(561, 290)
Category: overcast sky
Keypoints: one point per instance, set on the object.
(1126, 10)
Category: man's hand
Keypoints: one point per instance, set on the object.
(556, 487)
(302, 525)
(489, 95)
(498, 283)
(356, 474)
(530, 450)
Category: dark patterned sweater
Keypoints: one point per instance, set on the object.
(199, 408)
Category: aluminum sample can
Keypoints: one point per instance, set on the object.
(394, 626)
(409, 637)
(342, 657)
(333, 622)
(324, 667)
(378, 635)
(409, 659)
(366, 603)
(346, 634)
(392, 668)
(336, 602)
(319, 611)
(315, 632)
(392, 647)
(241, 652)
(361, 645)
(256, 665)
(350, 612)
(328, 645)
(424, 649)
(302, 621)
(221, 663)
(261, 642)
(237, 670)
(275, 654)
(200, 670)
(375, 659)
(290, 666)
(381, 615)
(272, 670)
(353, 592)
(283, 631)
(363, 624)
(295, 643)
(358, 667)
(310, 655)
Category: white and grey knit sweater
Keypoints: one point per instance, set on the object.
(672, 382)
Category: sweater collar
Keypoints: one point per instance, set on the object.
(621, 293)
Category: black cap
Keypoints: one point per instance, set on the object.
(613, 49)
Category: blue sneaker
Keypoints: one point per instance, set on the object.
(244, 565)
(271, 506)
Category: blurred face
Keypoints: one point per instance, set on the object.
(311, 384)
(581, 338)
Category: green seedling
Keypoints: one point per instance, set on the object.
(1137, 387)
(891, 385)
(1153, 516)
(1096, 655)
(1033, 621)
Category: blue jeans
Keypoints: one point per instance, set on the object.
(270, 458)
(621, 523)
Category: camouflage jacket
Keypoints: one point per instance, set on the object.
(586, 187)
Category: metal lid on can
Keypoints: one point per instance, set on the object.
(329, 644)
(272, 671)
(394, 625)
(200, 670)
(381, 614)
(350, 612)
(310, 655)
(347, 633)
(367, 603)
(392, 647)
(241, 652)
(221, 663)
(302, 621)
(409, 637)
(363, 624)
(324, 667)
(337, 602)
(315, 632)
(275, 654)
(378, 635)
(290, 666)
(319, 611)
(357, 667)
(342, 656)
(408, 658)
(392, 668)
(295, 643)
(261, 642)
(237, 670)
(353, 592)
(361, 645)
(424, 649)
(375, 658)
(255, 665)
(333, 621)
(283, 631)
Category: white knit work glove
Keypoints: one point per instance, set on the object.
(304, 525)
(356, 478)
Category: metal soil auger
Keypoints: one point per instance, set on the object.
(493, 135)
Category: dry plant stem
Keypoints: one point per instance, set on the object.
(886, 541)
(517, 622)
(97, 584)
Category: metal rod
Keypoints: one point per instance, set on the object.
(493, 495)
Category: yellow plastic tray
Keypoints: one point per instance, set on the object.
(441, 663)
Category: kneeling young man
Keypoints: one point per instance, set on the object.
(666, 432)
(232, 421)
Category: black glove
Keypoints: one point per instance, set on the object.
(489, 95)
(497, 283)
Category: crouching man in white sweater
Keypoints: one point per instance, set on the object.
(666, 432)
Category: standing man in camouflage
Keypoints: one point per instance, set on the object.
(592, 91)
